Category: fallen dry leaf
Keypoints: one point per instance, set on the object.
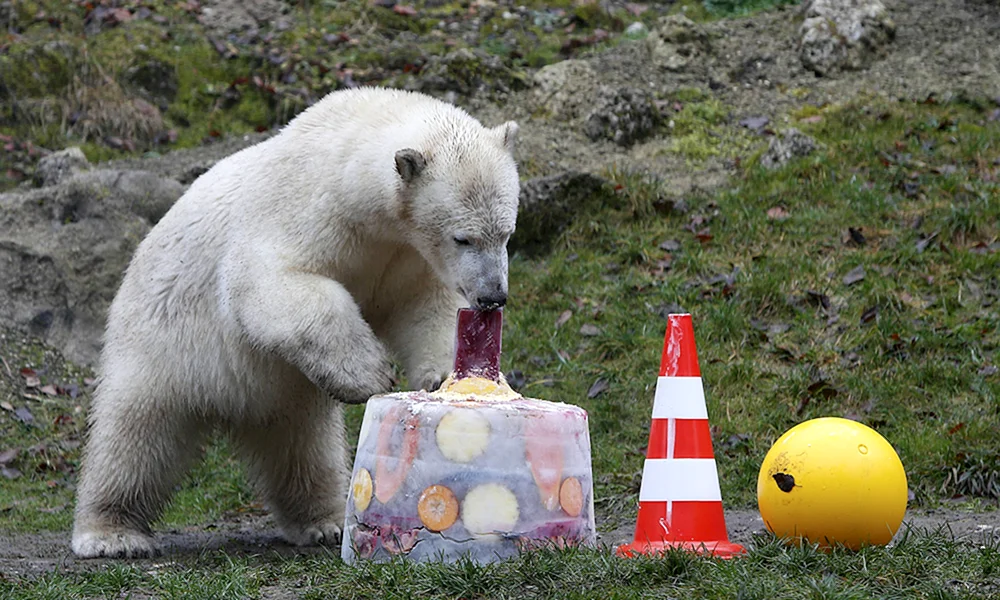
(49, 390)
(818, 298)
(32, 381)
(24, 415)
(6, 406)
(8, 456)
(854, 236)
(777, 213)
(589, 330)
(404, 9)
(599, 387)
(563, 318)
(854, 275)
(925, 241)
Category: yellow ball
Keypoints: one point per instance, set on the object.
(832, 481)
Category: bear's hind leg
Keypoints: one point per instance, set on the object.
(136, 450)
(299, 464)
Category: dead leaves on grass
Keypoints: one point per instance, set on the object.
(854, 275)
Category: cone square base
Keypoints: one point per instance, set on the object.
(719, 549)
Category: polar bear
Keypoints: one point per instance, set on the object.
(276, 289)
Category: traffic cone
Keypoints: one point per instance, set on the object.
(680, 502)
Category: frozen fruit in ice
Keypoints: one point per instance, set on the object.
(365, 540)
(462, 434)
(490, 508)
(476, 388)
(556, 534)
(571, 496)
(543, 447)
(392, 464)
(397, 540)
(437, 508)
(361, 489)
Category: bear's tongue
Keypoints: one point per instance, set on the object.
(477, 349)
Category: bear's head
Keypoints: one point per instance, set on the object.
(459, 198)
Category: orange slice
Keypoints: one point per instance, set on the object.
(571, 496)
(437, 508)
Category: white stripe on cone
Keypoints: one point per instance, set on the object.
(680, 480)
(679, 398)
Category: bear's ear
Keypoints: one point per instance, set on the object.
(409, 164)
(507, 134)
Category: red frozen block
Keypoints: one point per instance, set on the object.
(477, 347)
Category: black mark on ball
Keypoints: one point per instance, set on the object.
(785, 482)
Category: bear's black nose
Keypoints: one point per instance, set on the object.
(492, 302)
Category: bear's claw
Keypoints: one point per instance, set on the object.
(121, 543)
(317, 534)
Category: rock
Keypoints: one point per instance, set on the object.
(790, 144)
(156, 80)
(549, 204)
(59, 165)
(676, 42)
(844, 35)
(564, 90)
(624, 116)
(221, 17)
(64, 248)
(468, 72)
(636, 30)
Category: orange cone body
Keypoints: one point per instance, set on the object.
(680, 502)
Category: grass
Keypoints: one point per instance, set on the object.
(910, 349)
(921, 565)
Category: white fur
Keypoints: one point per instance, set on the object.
(276, 288)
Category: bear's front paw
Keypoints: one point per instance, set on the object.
(113, 543)
(318, 534)
(366, 373)
(432, 381)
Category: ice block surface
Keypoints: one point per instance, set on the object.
(474, 469)
(437, 479)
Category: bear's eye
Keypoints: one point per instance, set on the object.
(462, 241)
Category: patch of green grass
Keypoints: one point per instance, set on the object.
(698, 130)
(929, 565)
(726, 8)
(907, 349)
